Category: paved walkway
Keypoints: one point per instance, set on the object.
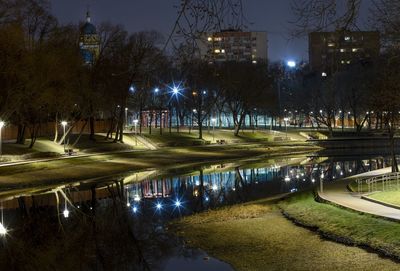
(337, 192)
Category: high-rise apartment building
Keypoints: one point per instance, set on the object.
(234, 45)
(330, 52)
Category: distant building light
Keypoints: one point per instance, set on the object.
(223, 51)
(342, 50)
(348, 62)
(324, 74)
(347, 38)
(342, 61)
(331, 44)
(354, 50)
(209, 38)
(254, 61)
(217, 51)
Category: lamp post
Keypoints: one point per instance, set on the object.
(135, 122)
(286, 120)
(64, 123)
(213, 120)
(126, 117)
(1, 127)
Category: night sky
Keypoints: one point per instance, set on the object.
(266, 15)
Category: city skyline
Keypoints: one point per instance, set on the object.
(136, 16)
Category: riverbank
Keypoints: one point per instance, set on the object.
(93, 166)
(256, 236)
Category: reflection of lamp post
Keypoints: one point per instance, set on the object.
(213, 120)
(64, 123)
(1, 126)
(135, 122)
(286, 120)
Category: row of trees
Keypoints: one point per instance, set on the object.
(42, 77)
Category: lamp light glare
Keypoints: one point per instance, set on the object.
(1, 124)
(3, 230)
(66, 213)
(291, 64)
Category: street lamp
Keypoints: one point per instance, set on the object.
(64, 123)
(286, 120)
(135, 122)
(291, 64)
(213, 120)
(126, 117)
(1, 126)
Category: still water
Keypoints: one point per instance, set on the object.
(122, 223)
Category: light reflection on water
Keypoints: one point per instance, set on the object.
(112, 226)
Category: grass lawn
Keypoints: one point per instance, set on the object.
(360, 229)
(256, 236)
(391, 197)
(184, 138)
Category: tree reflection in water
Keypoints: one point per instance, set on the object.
(113, 226)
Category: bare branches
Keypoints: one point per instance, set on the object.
(198, 16)
(385, 16)
(324, 15)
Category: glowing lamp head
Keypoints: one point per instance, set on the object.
(3, 230)
(136, 198)
(213, 120)
(175, 90)
(66, 213)
(291, 64)
(156, 90)
(178, 203)
(135, 122)
(132, 89)
(287, 179)
(135, 209)
(128, 204)
(158, 206)
(214, 187)
(64, 123)
(1, 124)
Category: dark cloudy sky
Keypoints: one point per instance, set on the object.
(266, 15)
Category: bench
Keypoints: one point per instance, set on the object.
(69, 152)
(221, 141)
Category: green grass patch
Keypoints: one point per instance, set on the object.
(391, 197)
(256, 236)
(360, 229)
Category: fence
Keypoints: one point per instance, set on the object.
(384, 182)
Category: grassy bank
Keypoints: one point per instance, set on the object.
(256, 236)
(345, 225)
(391, 197)
(80, 168)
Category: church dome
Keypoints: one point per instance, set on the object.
(88, 28)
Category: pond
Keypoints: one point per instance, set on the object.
(121, 223)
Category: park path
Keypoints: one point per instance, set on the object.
(337, 193)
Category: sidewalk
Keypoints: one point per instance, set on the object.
(337, 193)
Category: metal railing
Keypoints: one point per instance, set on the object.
(384, 182)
